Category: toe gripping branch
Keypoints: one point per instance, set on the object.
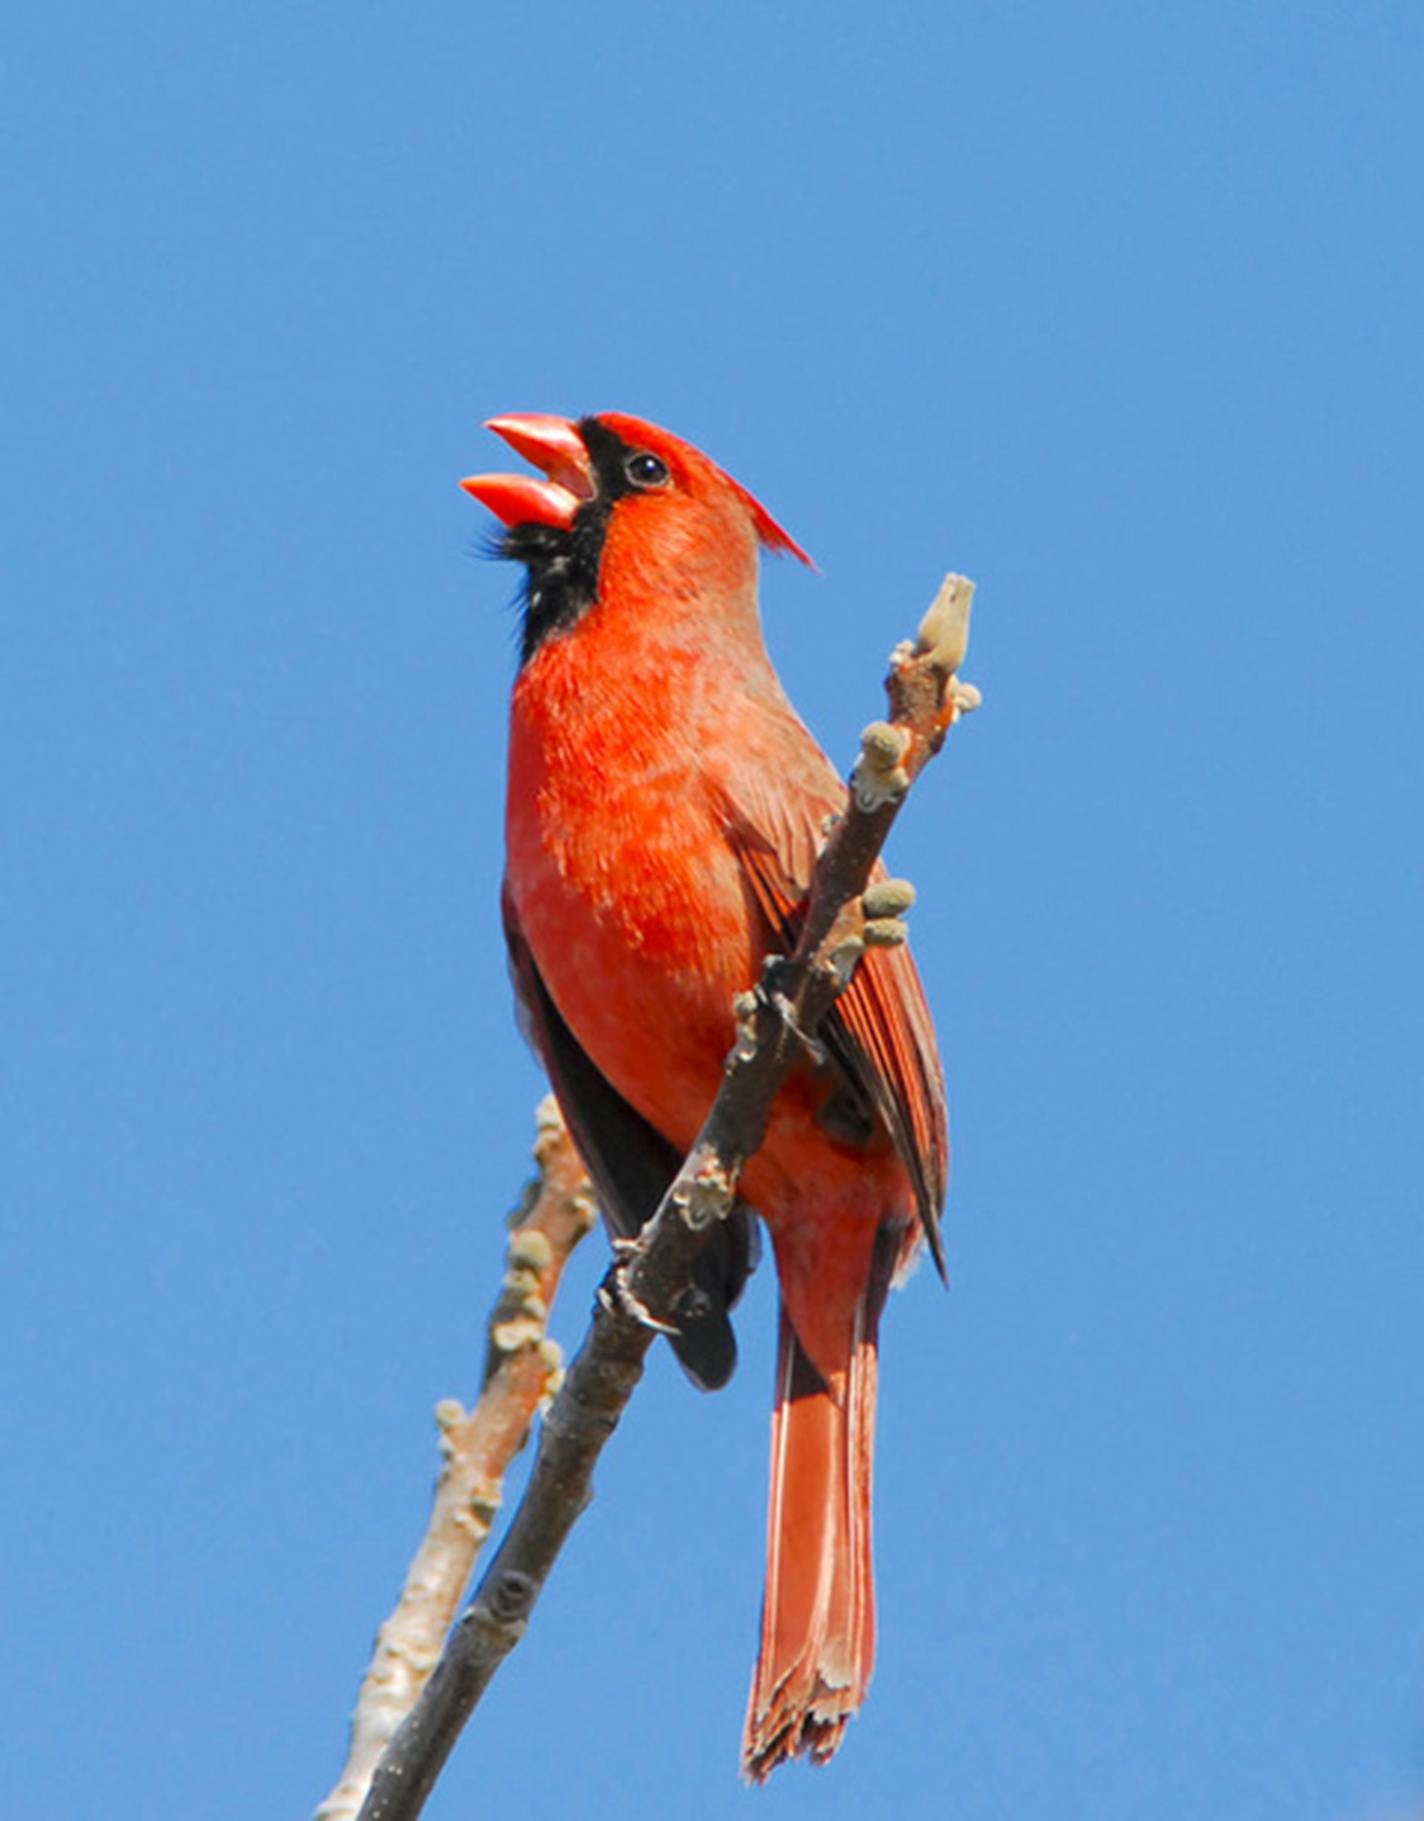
(616, 1293)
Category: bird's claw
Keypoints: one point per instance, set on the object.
(617, 1296)
(784, 1006)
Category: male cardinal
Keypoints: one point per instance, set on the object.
(664, 813)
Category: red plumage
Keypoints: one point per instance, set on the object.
(665, 808)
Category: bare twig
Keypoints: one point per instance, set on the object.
(523, 1369)
(642, 1290)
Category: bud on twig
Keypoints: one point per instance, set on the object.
(944, 631)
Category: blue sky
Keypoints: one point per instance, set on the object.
(1115, 308)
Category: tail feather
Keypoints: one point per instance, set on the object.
(818, 1620)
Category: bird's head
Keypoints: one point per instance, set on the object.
(623, 507)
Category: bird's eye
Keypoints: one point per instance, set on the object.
(645, 469)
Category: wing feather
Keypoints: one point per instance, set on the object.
(879, 1033)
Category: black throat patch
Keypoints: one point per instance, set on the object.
(561, 580)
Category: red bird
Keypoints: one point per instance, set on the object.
(665, 809)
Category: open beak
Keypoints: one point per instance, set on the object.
(552, 444)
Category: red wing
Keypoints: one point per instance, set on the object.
(879, 1031)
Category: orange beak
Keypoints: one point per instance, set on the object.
(550, 443)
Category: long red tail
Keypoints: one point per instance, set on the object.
(818, 1620)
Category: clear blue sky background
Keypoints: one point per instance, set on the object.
(1116, 308)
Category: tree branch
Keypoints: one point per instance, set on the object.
(523, 1369)
(651, 1275)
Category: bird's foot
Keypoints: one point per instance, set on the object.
(618, 1297)
(774, 981)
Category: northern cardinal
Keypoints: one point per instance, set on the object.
(665, 808)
